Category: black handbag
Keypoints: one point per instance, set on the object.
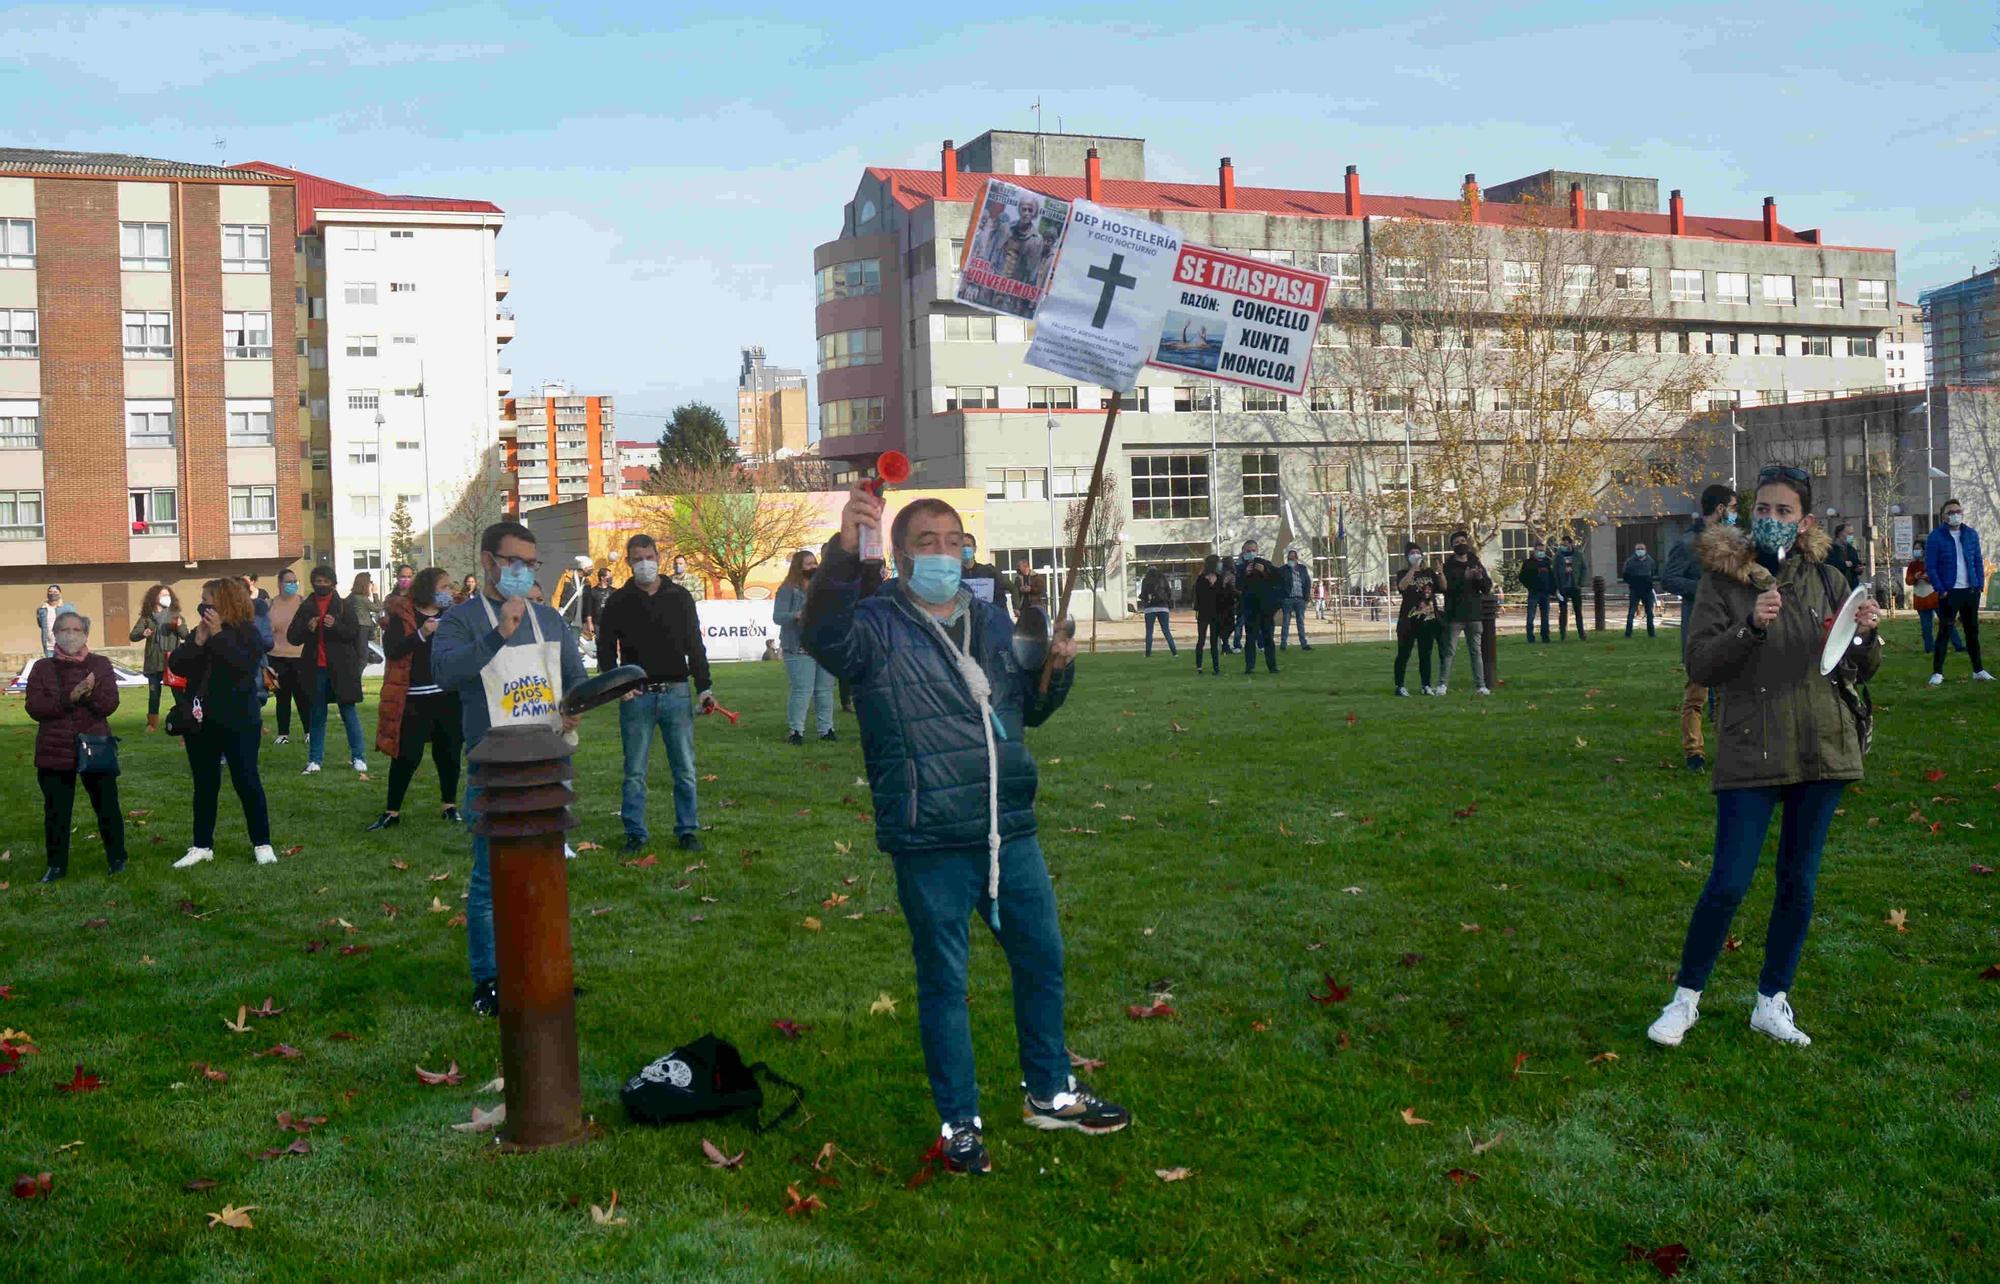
(96, 755)
(705, 1079)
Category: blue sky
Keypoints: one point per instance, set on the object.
(667, 169)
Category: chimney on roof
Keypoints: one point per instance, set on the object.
(1226, 181)
(948, 168)
(1354, 191)
(1677, 219)
(1577, 217)
(1093, 176)
(1469, 193)
(1770, 218)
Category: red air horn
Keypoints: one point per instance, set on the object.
(713, 707)
(892, 468)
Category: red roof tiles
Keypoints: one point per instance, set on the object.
(316, 193)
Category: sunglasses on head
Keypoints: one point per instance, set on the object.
(1781, 472)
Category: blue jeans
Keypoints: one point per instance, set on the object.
(1293, 608)
(322, 695)
(1538, 601)
(1742, 818)
(479, 951)
(939, 891)
(809, 685)
(1924, 617)
(672, 711)
(1161, 618)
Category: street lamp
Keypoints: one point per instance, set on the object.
(1409, 487)
(381, 509)
(1735, 430)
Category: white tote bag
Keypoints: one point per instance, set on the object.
(524, 683)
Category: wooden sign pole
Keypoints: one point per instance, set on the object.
(1076, 553)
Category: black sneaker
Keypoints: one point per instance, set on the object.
(54, 872)
(965, 1148)
(795, 738)
(1076, 1109)
(690, 842)
(486, 999)
(633, 846)
(828, 735)
(1696, 762)
(387, 820)
(116, 865)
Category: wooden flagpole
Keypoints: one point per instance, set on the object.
(1082, 537)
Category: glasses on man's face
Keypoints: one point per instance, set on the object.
(532, 564)
(1781, 472)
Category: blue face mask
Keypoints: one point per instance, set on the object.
(966, 555)
(442, 600)
(934, 577)
(1729, 518)
(1774, 536)
(290, 588)
(516, 581)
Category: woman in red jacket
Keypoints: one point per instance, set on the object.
(71, 694)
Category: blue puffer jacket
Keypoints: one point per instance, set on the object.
(1941, 558)
(920, 732)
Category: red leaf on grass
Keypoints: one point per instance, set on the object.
(1466, 812)
(716, 1159)
(1085, 1064)
(7, 992)
(456, 920)
(1991, 973)
(314, 947)
(1335, 992)
(31, 1185)
(1520, 1059)
(790, 1029)
(344, 1036)
(1732, 943)
(289, 1122)
(644, 862)
(267, 1010)
(299, 1147)
(210, 1073)
(351, 950)
(1461, 1177)
(1667, 1259)
(282, 1051)
(1977, 868)
(1412, 959)
(1934, 775)
(81, 1082)
(433, 1077)
(1138, 1013)
(801, 1205)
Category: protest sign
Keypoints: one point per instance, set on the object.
(1904, 527)
(1240, 320)
(1100, 318)
(1012, 250)
(732, 630)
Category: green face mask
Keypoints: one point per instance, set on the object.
(1774, 536)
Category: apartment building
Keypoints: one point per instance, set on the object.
(1905, 363)
(144, 433)
(1782, 314)
(1962, 329)
(770, 408)
(400, 321)
(560, 445)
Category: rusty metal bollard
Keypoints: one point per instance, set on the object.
(523, 774)
(1489, 641)
(1597, 592)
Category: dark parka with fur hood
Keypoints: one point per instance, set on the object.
(1778, 721)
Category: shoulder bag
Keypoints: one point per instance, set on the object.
(96, 755)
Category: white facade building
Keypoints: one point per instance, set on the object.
(1904, 358)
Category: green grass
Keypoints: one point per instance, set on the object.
(1869, 1156)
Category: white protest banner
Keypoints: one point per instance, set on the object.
(1241, 320)
(1012, 250)
(1904, 537)
(732, 630)
(1100, 319)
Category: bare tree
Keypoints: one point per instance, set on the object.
(796, 473)
(469, 506)
(1102, 542)
(723, 520)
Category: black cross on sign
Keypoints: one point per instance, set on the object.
(1114, 280)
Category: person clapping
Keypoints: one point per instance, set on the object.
(221, 660)
(414, 711)
(71, 694)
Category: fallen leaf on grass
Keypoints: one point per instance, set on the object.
(834, 901)
(344, 1036)
(811, 924)
(883, 1005)
(1335, 992)
(439, 877)
(1466, 812)
(439, 907)
(7, 992)
(265, 1011)
(643, 862)
(801, 1205)
(1470, 927)
(314, 947)
(200, 1184)
(210, 1073)
(1520, 1059)
(299, 1147)
(588, 846)
(1139, 1013)
(1410, 1117)
(68, 1145)
(1603, 1057)
(390, 911)
(399, 864)
(1460, 1177)
(497, 1084)
(233, 1217)
(1260, 1027)
(1732, 943)
(97, 923)
(483, 1120)
(1991, 973)
(1934, 775)
(716, 1159)
(32, 1185)
(241, 1025)
(1667, 1260)
(17, 1042)
(1173, 1174)
(1412, 959)
(433, 1077)
(1581, 743)
(289, 1122)
(81, 1081)
(1352, 891)
(456, 920)
(1481, 1147)
(351, 950)
(1898, 919)
(790, 1029)
(599, 911)
(1085, 1064)
(282, 1051)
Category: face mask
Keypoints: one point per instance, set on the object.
(1729, 518)
(1954, 520)
(1638, 552)
(1774, 536)
(965, 554)
(516, 581)
(288, 589)
(441, 600)
(69, 644)
(1848, 540)
(402, 581)
(646, 571)
(1416, 559)
(1541, 555)
(1461, 549)
(322, 590)
(934, 577)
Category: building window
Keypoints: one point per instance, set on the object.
(1389, 400)
(1198, 397)
(1520, 278)
(246, 334)
(1016, 483)
(149, 334)
(1345, 269)
(1274, 256)
(17, 242)
(1770, 345)
(1260, 484)
(1633, 281)
(246, 247)
(364, 398)
(849, 280)
(1139, 399)
(1816, 345)
(156, 512)
(1771, 397)
(1684, 285)
(1732, 287)
(1072, 483)
(149, 425)
(1052, 397)
(365, 505)
(1167, 486)
(1826, 291)
(370, 559)
(1722, 343)
(416, 391)
(364, 452)
(20, 514)
(363, 345)
(1779, 290)
(972, 398)
(404, 234)
(845, 348)
(1403, 275)
(20, 333)
(1328, 399)
(20, 425)
(249, 423)
(1332, 479)
(358, 292)
(407, 444)
(1579, 279)
(143, 247)
(402, 287)
(402, 340)
(851, 417)
(1873, 296)
(975, 329)
(1391, 335)
(1260, 400)
(1862, 345)
(357, 238)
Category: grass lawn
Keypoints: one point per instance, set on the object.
(1503, 883)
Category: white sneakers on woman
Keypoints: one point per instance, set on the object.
(196, 855)
(264, 854)
(1771, 1016)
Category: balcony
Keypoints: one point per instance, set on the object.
(505, 383)
(503, 326)
(503, 282)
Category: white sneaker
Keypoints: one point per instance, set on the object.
(1982, 676)
(195, 856)
(282, 740)
(1937, 679)
(312, 769)
(569, 853)
(265, 856)
(1405, 691)
(1485, 691)
(1677, 1018)
(359, 764)
(1430, 690)
(1773, 1016)
(1439, 690)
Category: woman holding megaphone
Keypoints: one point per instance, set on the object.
(1787, 738)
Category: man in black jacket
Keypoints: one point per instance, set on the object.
(980, 578)
(1682, 576)
(594, 598)
(1263, 594)
(652, 623)
(1538, 577)
(1466, 584)
(328, 634)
